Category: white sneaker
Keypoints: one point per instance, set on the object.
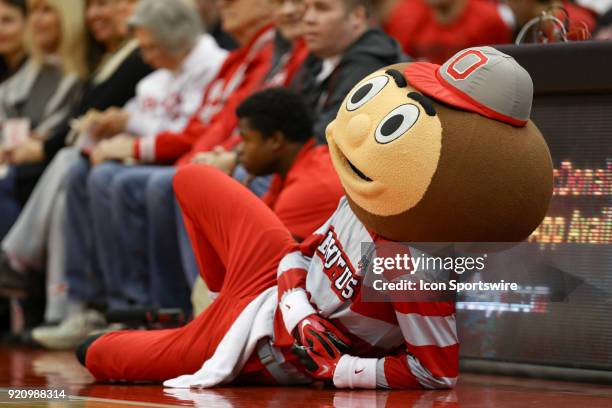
(71, 332)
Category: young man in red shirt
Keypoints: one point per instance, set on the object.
(277, 139)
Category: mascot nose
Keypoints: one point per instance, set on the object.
(358, 129)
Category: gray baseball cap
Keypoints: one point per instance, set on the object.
(481, 80)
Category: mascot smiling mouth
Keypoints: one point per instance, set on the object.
(357, 171)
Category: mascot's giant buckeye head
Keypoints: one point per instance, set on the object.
(430, 153)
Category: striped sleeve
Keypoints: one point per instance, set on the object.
(429, 360)
(293, 298)
(431, 357)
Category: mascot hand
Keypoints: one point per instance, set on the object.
(319, 345)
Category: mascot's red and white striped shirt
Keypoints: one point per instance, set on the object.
(399, 345)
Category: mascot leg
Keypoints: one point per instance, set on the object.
(239, 243)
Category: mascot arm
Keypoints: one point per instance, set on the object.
(430, 358)
(293, 299)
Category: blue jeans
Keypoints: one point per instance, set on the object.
(96, 270)
(9, 206)
(125, 241)
(83, 274)
(142, 236)
(113, 231)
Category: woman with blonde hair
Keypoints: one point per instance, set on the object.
(39, 96)
(48, 84)
(57, 30)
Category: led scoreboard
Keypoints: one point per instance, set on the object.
(565, 317)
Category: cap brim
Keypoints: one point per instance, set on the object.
(424, 77)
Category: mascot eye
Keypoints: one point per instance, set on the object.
(366, 92)
(397, 123)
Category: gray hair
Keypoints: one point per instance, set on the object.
(174, 23)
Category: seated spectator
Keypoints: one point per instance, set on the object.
(89, 198)
(186, 62)
(276, 130)
(12, 30)
(289, 54)
(36, 242)
(434, 30)
(39, 96)
(343, 50)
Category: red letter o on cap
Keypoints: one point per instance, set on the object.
(478, 62)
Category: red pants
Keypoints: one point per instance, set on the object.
(239, 243)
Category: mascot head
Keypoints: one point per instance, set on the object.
(430, 153)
